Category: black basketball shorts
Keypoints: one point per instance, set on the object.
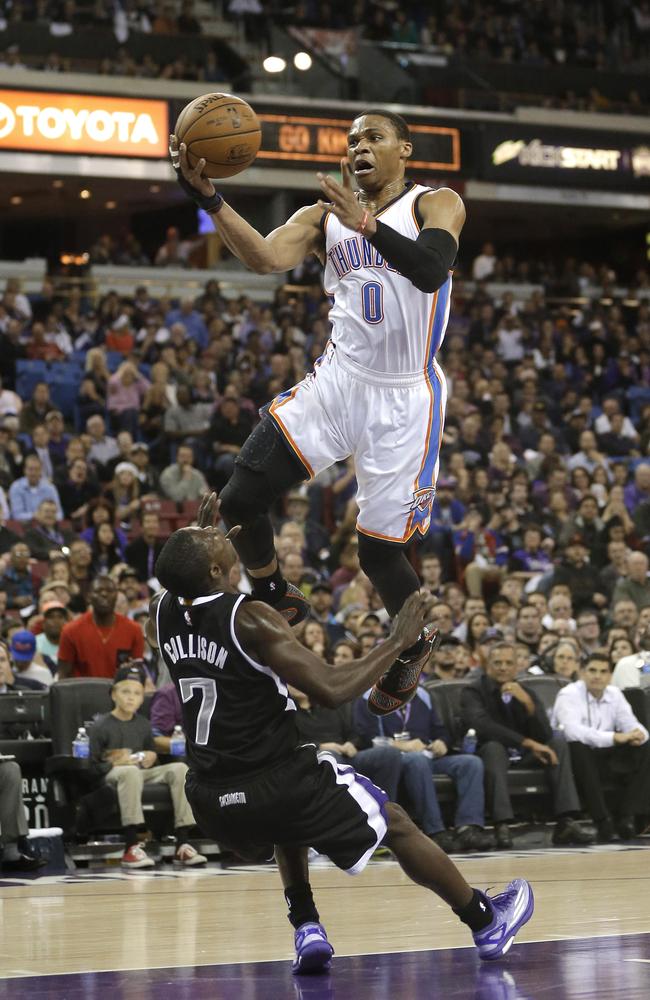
(306, 800)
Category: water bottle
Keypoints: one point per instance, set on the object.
(514, 755)
(506, 697)
(469, 741)
(81, 744)
(177, 742)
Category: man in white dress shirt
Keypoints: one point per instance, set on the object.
(608, 745)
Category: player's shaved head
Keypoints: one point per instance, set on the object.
(193, 561)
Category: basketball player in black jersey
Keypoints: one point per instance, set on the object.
(251, 784)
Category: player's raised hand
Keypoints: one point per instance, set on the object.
(341, 199)
(207, 512)
(413, 617)
(189, 177)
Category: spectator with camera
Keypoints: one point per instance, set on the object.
(607, 743)
(123, 751)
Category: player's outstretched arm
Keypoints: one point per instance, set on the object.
(266, 637)
(284, 248)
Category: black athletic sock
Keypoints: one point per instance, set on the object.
(302, 909)
(182, 834)
(130, 836)
(477, 914)
(269, 588)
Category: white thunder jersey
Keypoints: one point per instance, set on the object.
(377, 393)
(380, 320)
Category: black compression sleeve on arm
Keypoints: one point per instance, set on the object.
(425, 261)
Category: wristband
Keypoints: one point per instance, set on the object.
(364, 222)
(211, 203)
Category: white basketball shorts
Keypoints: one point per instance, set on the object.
(392, 428)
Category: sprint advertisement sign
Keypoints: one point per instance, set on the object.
(80, 123)
(575, 159)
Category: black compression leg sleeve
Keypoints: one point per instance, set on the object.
(389, 570)
(264, 470)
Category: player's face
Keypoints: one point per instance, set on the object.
(223, 551)
(377, 156)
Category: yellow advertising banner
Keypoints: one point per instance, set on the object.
(81, 123)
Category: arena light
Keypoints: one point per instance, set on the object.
(16, 200)
(302, 61)
(274, 64)
(111, 204)
(85, 194)
(154, 188)
(57, 184)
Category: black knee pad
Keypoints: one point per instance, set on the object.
(376, 556)
(267, 452)
(244, 497)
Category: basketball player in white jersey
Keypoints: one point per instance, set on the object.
(377, 393)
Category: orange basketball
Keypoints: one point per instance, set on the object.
(221, 129)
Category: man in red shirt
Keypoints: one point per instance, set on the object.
(96, 643)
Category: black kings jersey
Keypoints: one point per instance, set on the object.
(237, 713)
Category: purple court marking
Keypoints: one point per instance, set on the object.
(606, 968)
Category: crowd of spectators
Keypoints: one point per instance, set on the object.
(540, 530)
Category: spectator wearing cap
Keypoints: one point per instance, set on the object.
(607, 743)
(511, 723)
(502, 612)
(181, 481)
(122, 749)
(43, 536)
(126, 390)
(142, 552)
(58, 440)
(147, 475)
(23, 650)
(131, 587)
(489, 638)
(28, 492)
(636, 585)
(55, 615)
(585, 522)
(120, 336)
(317, 540)
(96, 643)
(321, 600)
(633, 671)
(124, 493)
(576, 572)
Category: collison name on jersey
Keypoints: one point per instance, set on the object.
(196, 647)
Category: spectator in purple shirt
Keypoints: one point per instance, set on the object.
(165, 713)
(532, 558)
(639, 491)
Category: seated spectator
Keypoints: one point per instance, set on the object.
(577, 573)
(105, 550)
(426, 747)
(533, 558)
(17, 580)
(35, 411)
(321, 600)
(99, 641)
(186, 419)
(562, 659)
(632, 670)
(588, 631)
(90, 400)
(443, 664)
(607, 743)
(43, 536)
(513, 729)
(147, 474)
(181, 481)
(132, 589)
(638, 492)
(528, 628)
(191, 320)
(126, 391)
(624, 614)
(636, 585)
(431, 574)
(10, 402)
(101, 511)
(27, 493)
(102, 447)
(122, 750)
(55, 616)
(124, 493)
(23, 652)
(143, 551)
(120, 336)
(77, 490)
(229, 428)
(174, 252)
(17, 853)
(58, 440)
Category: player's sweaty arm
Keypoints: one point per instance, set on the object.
(284, 248)
(426, 260)
(267, 638)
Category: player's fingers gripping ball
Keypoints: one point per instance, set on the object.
(221, 129)
(400, 682)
